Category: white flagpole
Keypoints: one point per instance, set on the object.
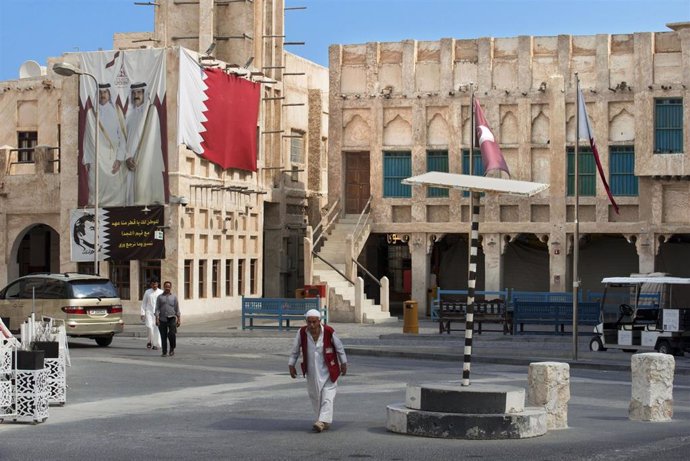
(576, 237)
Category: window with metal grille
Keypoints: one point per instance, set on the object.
(26, 142)
(119, 275)
(215, 278)
(437, 160)
(253, 266)
(668, 125)
(396, 167)
(477, 165)
(202, 278)
(149, 269)
(587, 174)
(229, 291)
(187, 278)
(240, 276)
(296, 146)
(622, 170)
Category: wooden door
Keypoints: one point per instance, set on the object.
(356, 181)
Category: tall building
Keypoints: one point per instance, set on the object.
(401, 109)
(228, 232)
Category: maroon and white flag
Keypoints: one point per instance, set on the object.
(585, 132)
(492, 157)
(218, 114)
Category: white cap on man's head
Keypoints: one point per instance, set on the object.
(313, 313)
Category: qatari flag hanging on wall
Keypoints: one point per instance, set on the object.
(492, 157)
(218, 114)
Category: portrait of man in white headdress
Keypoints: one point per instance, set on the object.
(111, 150)
(143, 156)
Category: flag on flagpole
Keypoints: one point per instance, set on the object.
(585, 132)
(492, 157)
(217, 114)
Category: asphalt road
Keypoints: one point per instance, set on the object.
(232, 398)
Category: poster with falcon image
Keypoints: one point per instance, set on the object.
(129, 100)
(124, 233)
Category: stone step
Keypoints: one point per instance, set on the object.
(528, 423)
(454, 398)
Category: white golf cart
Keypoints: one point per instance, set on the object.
(644, 313)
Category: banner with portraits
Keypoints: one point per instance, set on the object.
(124, 233)
(127, 146)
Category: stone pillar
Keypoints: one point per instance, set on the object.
(549, 387)
(385, 294)
(652, 387)
(645, 253)
(421, 263)
(359, 298)
(493, 268)
(308, 258)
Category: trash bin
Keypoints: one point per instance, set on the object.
(410, 320)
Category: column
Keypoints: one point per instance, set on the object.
(493, 267)
(421, 262)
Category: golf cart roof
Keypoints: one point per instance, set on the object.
(640, 280)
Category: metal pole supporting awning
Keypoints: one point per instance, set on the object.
(475, 185)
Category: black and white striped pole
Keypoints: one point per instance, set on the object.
(472, 263)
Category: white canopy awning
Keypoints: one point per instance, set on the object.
(639, 280)
(475, 183)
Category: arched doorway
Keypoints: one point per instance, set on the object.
(526, 264)
(36, 249)
(673, 255)
(604, 255)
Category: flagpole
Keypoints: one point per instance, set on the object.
(472, 255)
(576, 237)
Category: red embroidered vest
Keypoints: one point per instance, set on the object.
(329, 353)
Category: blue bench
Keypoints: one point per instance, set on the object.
(281, 310)
(492, 311)
(556, 313)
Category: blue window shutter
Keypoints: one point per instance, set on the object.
(437, 160)
(588, 172)
(396, 167)
(622, 170)
(668, 126)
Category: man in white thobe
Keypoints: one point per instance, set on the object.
(144, 155)
(111, 151)
(148, 306)
(323, 348)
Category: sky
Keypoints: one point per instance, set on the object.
(38, 29)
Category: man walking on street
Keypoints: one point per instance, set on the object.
(148, 307)
(167, 318)
(323, 361)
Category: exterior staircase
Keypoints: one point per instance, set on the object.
(342, 293)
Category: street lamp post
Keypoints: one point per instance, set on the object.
(67, 70)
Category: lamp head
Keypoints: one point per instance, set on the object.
(66, 69)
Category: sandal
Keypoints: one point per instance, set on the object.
(148, 346)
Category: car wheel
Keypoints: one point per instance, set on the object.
(664, 347)
(595, 345)
(104, 341)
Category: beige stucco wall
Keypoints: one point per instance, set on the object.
(415, 96)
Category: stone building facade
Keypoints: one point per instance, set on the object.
(401, 109)
(223, 244)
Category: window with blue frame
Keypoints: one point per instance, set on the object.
(622, 177)
(397, 165)
(478, 166)
(437, 160)
(587, 174)
(668, 125)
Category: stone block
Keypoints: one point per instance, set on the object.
(549, 387)
(474, 399)
(528, 423)
(652, 387)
